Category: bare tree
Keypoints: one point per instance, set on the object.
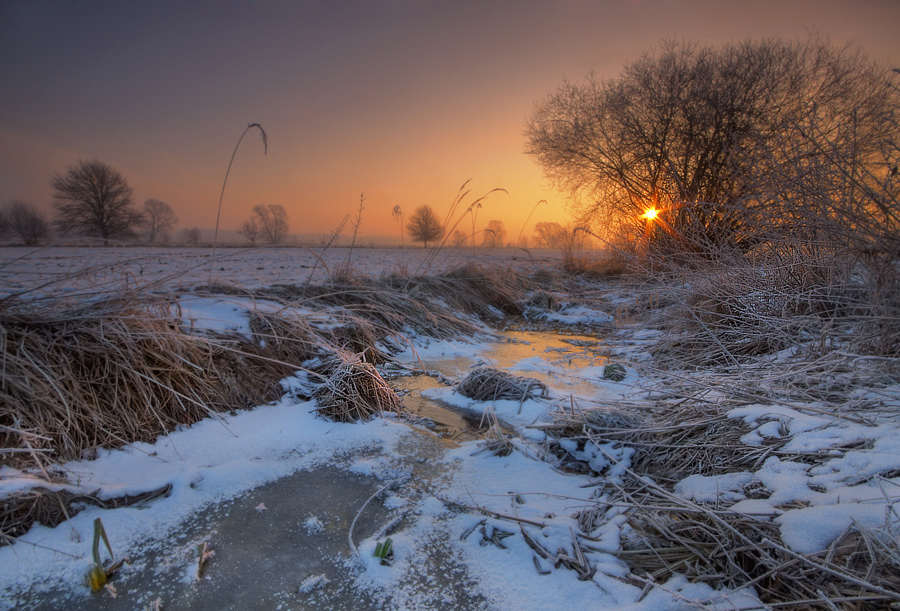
(687, 130)
(272, 221)
(494, 234)
(193, 236)
(4, 222)
(27, 222)
(424, 226)
(250, 231)
(459, 238)
(94, 199)
(158, 218)
(549, 235)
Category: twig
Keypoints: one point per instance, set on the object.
(390, 484)
(493, 514)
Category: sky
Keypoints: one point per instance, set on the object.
(401, 101)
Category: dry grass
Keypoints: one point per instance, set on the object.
(604, 263)
(359, 337)
(669, 535)
(488, 384)
(495, 440)
(732, 312)
(684, 430)
(356, 391)
(798, 330)
(108, 374)
(78, 376)
(388, 306)
(120, 369)
(471, 289)
(18, 511)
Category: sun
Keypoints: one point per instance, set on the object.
(650, 214)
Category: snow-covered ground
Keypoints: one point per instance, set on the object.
(68, 270)
(482, 559)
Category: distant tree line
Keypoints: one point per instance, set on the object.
(93, 199)
(425, 226)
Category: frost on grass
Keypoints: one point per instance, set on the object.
(488, 384)
(356, 391)
(313, 582)
(313, 525)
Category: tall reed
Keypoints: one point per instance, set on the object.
(265, 139)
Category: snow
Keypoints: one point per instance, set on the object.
(709, 489)
(210, 461)
(571, 314)
(812, 529)
(220, 458)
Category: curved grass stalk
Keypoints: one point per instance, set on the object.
(519, 239)
(265, 139)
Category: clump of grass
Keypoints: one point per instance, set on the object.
(669, 536)
(425, 304)
(104, 375)
(359, 337)
(285, 337)
(381, 304)
(734, 311)
(495, 440)
(488, 384)
(23, 508)
(573, 421)
(356, 391)
(472, 289)
(603, 263)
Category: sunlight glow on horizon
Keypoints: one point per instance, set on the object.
(389, 99)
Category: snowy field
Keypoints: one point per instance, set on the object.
(54, 270)
(468, 530)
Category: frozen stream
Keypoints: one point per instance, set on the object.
(274, 541)
(263, 556)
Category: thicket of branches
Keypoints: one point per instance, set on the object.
(25, 222)
(735, 145)
(158, 218)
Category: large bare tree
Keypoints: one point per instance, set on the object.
(94, 199)
(272, 221)
(689, 130)
(424, 225)
(158, 218)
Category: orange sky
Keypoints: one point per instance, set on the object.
(403, 100)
